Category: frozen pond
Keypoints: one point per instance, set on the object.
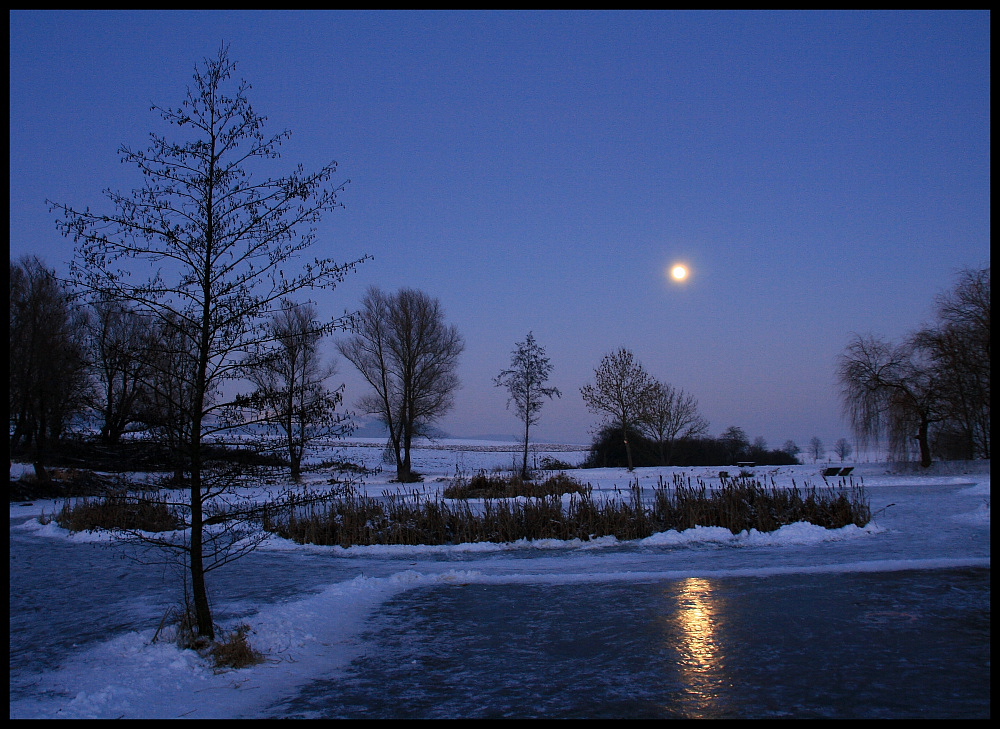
(891, 621)
(849, 646)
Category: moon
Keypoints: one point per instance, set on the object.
(678, 272)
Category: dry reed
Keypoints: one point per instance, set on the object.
(426, 518)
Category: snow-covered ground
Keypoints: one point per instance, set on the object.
(82, 618)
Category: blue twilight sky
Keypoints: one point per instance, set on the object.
(821, 173)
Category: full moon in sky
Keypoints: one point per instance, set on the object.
(679, 272)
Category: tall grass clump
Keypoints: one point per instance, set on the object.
(133, 511)
(231, 650)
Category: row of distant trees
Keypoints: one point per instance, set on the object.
(125, 368)
(652, 423)
(731, 447)
(933, 388)
(132, 370)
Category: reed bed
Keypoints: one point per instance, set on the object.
(433, 519)
(135, 511)
(484, 485)
(483, 509)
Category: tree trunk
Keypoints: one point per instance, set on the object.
(628, 448)
(39, 446)
(202, 609)
(404, 473)
(524, 463)
(922, 440)
(41, 473)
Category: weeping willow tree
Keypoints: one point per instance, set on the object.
(890, 391)
(934, 387)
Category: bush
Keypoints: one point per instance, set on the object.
(548, 463)
(608, 449)
(233, 650)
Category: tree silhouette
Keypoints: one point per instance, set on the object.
(208, 251)
(525, 381)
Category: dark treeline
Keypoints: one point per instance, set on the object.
(608, 451)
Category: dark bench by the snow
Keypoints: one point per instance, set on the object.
(838, 471)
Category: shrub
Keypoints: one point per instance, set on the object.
(548, 463)
(608, 449)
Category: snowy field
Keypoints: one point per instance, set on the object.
(82, 617)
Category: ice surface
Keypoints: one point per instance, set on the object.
(554, 629)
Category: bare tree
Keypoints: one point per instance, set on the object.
(206, 250)
(49, 382)
(525, 381)
(670, 414)
(958, 347)
(935, 386)
(816, 449)
(735, 442)
(172, 380)
(791, 448)
(621, 390)
(843, 449)
(405, 351)
(291, 389)
(890, 389)
(119, 341)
